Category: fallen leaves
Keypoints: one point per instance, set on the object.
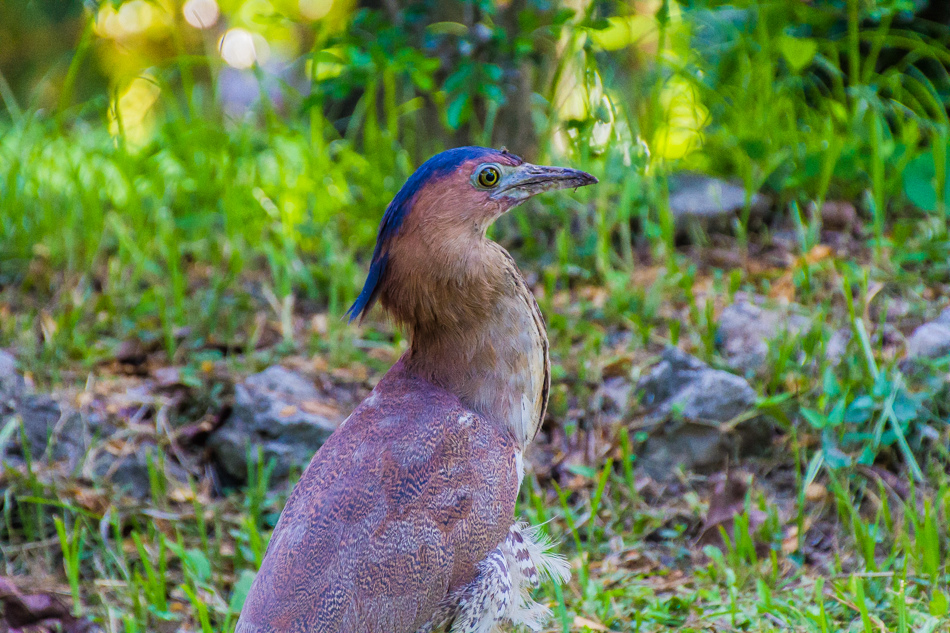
(582, 623)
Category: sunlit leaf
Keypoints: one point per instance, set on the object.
(939, 604)
(798, 52)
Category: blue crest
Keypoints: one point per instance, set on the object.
(433, 169)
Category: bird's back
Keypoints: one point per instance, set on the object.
(393, 512)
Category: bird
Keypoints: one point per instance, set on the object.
(403, 522)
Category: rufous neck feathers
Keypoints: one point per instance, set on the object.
(475, 327)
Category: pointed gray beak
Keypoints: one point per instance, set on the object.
(529, 180)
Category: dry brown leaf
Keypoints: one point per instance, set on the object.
(784, 287)
(673, 580)
(89, 499)
(357, 372)
(319, 323)
(320, 365)
(790, 540)
(590, 624)
(816, 492)
(182, 495)
(819, 252)
(320, 408)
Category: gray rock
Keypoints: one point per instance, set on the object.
(837, 346)
(688, 402)
(280, 412)
(11, 382)
(129, 474)
(693, 389)
(51, 430)
(47, 425)
(613, 397)
(930, 340)
(696, 198)
(746, 329)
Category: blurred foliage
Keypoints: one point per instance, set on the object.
(153, 141)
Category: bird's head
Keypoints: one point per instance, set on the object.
(447, 205)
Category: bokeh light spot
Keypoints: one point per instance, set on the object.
(201, 14)
(685, 116)
(315, 9)
(241, 49)
(130, 114)
(132, 19)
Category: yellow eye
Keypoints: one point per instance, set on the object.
(489, 177)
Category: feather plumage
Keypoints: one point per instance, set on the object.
(395, 511)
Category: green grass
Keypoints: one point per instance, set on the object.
(225, 246)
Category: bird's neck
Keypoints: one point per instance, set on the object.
(477, 332)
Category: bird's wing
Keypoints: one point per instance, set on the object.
(396, 509)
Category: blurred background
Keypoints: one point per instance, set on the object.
(294, 121)
(143, 140)
(750, 338)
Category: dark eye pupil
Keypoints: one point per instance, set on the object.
(489, 177)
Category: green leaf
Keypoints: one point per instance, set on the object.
(860, 410)
(199, 564)
(583, 471)
(458, 111)
(814, 418)
(493, 72)
(836, 415)
(448, 28)
(939, 604)
(835, 458)
(459, 81)
(241, 588)
(919, 182)
(798, 52)
(905, 409)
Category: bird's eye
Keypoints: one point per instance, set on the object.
(489, 177)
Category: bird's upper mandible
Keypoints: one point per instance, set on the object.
(405, 515)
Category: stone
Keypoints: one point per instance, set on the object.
(12, 383)
(838, 215)
(746, 328)
(613, 397)
(279, 412)
(688, 403)
(46, 425)
(837, 346)
(128, 474)
(708, 202)
(931, 340)
(51, 430)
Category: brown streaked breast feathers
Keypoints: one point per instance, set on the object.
(394, 511)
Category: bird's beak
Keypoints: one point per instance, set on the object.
(528, 180)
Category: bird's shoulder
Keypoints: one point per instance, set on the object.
(398, 506)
